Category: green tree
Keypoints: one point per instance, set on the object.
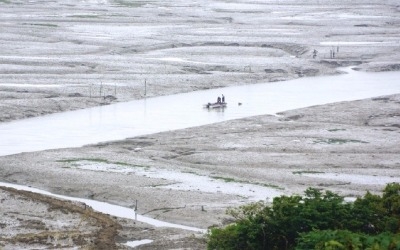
(347, 240)
(368, 214)
(373, 214)
(321, 219)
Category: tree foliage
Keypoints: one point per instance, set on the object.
(317, 220)
(344, 239)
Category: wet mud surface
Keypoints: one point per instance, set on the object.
(286, 153)
(59, 56)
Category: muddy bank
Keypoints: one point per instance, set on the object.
(82, 226)
(347, 147)
(58, 57)
(33, 220)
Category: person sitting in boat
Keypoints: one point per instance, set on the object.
(223, 99)
(219, 99)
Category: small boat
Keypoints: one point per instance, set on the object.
(215, 105)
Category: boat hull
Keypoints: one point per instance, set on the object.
(215, 105)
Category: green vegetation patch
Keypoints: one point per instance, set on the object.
(337, 141)
(84, 159)
(191, 172)
(226, 179)
(164, 184)
(308, 172)
(99, 160)
(41, 24)
(85, 16)
(336, 129)
(229, 179)
(130, 3)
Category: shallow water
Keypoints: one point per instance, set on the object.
(188, 181)
(152, 115)
(138, 242)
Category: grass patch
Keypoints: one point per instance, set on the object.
(228, 179)
(191, 172)
(5, 1)
(85, 16)
(84, 159)
(164, 209)
(42, 24)
(308, 172)
(132, 4)
(336, 129)
(337, 141)
(269, 186)
(99, 160)
(124, 164)
(164, 184)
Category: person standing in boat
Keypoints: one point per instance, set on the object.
(219, 99)
(223, 99)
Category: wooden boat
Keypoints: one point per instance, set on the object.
(215, 105)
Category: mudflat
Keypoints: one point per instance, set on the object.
(64, 56)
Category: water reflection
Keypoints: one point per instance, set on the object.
(152, 115)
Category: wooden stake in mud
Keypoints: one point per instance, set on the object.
(136, 210)
(145, 87)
